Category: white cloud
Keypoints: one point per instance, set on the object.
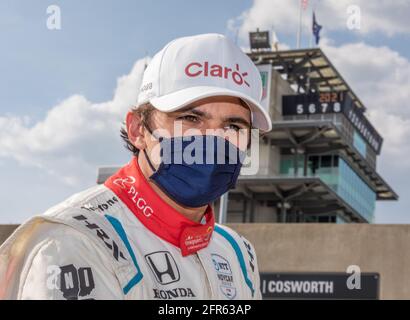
(383, 16)
(381, 78)
(379, 75)
(75, 136)
(396, 131)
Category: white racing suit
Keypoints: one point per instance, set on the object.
(92, 246)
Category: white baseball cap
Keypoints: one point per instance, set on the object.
(192, 68)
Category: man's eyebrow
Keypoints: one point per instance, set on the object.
(236, 119)
(200, 113)
(193, 110)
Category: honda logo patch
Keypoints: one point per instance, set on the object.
(163, 266)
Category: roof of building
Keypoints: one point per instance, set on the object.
(309, 70)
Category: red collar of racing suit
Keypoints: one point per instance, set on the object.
(131, 186)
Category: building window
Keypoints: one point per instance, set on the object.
(326, 162)
(339, 176)
(359, 144)
(335, 161)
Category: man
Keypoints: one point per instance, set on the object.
(149, 232)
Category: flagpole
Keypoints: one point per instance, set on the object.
(300, 25)
(311, 26)
(311, 31)
(311, 42)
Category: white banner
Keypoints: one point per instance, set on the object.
(266, 75)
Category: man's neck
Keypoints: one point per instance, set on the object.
(193, 214)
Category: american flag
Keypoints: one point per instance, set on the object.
(316, 27)
(305, 4)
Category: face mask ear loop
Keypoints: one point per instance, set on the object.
(149, 161)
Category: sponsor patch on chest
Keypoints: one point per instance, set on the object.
(224, 275)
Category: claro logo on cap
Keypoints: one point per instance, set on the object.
(195, 69)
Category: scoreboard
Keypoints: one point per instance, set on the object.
(333, 103)
(313, 104)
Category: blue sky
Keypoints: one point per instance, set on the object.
(98, 41)
(68, 73)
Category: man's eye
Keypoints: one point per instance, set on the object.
(189, 117)
(234, 127)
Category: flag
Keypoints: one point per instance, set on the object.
(316, 29)
(305, 4)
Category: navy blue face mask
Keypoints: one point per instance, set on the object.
(196, 170)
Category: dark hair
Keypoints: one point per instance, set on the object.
(145, 113)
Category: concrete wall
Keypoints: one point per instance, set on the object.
(268, 159)
(269, 155)
(384, 249)
(262, 213)
(6, 230)
(279, 88)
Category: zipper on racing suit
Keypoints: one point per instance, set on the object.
(208, 282)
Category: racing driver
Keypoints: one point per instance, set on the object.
(149, 231)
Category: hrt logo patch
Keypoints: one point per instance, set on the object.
(224, 275)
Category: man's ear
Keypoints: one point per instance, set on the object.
(135, 130)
